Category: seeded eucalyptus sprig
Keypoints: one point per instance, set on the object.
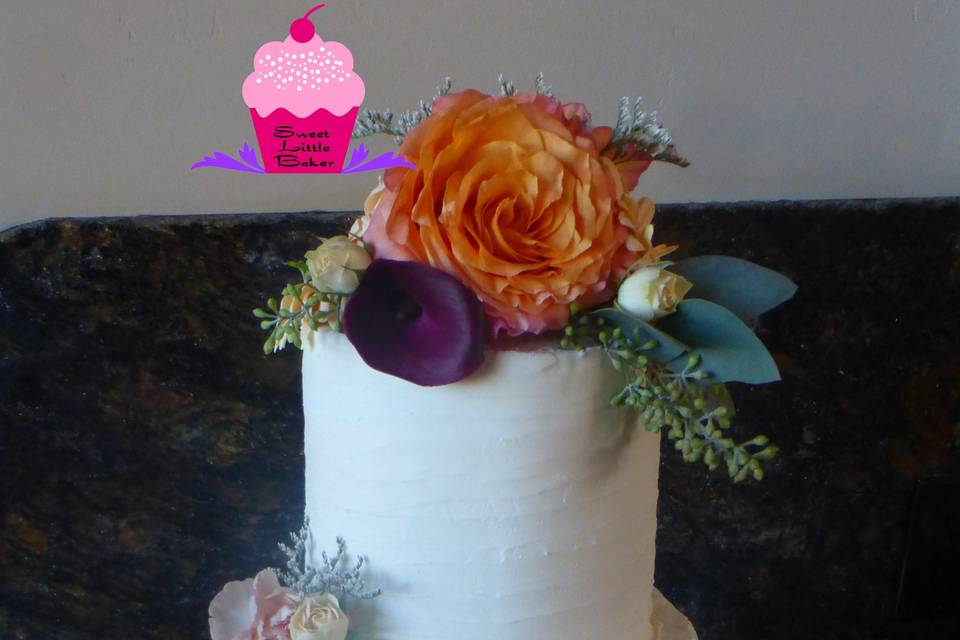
(301, 304)
(695, 412)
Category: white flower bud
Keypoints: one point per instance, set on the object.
(334, 265)
(319, 618)
(652, 292)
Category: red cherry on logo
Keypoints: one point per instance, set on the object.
(302, 30)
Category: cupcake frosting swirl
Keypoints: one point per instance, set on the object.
(303, 77)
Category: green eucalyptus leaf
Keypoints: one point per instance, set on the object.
(667, 348)
(745, 288)
(729, 350)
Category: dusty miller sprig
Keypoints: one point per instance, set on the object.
(329, 577)
(377, 122)
(695, 412)
(642, 130)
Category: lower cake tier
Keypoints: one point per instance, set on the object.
(516, 504)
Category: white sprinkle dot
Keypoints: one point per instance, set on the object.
(323, 48)
(349, 74)
(326, 79)
(340, 79)
(268, 56)
(299, 88)
(259, 80)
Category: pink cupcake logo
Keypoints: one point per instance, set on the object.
(304, 97)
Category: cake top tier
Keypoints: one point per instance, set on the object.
(303, 77)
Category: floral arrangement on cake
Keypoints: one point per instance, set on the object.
(517, 218)
(306, 607)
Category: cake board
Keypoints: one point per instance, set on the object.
(667, 622)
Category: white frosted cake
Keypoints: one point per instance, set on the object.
(492, 492)
(516, 504)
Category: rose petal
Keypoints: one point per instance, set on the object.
(233, 610)
(253, 608)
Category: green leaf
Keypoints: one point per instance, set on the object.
(767, 454)
(269, 344)
(745, 288)
(260, 313)
(297, 264)
(729, 350)
(667, 347)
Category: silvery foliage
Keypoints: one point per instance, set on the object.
(643, 130)
(636, 128)
(331, 576)
(375, 122)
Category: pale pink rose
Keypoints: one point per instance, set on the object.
(253, 609)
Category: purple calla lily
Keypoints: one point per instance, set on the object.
(416, 322)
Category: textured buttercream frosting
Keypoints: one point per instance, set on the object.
(514, 505)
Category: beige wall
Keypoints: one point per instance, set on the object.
(104, 104)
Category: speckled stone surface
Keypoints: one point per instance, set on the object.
(150, 452)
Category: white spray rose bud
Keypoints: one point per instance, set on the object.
(319, 618)
(334, 263)
(652, 292)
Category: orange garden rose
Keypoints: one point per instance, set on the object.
(515, 197)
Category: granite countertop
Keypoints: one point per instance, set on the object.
(151, 453)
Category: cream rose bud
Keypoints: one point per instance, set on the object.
(319, 618)
(652, 292)
(334, 264)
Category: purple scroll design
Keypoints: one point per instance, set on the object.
(248, 161)
(357, 162)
